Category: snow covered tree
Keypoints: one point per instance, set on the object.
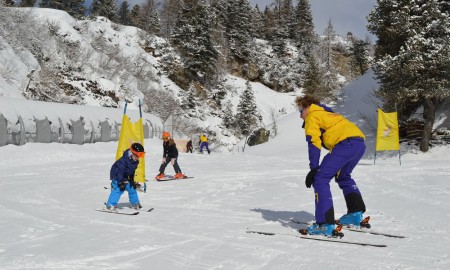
(228, 118)
(247, 116)
(135, 16)
(360, 56)
(257, 22)
(123, 14)
(238, 28)
(268, 23)
(415, 71)
(192, 36)
(8, 3)
(105, 8)
(73, 7)
(168, 14)
(149, 17)
(328, 56)
(313, 79)
(281, 24)
(27, 3)
(303, 28)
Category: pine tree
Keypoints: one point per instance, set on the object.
(328, 56)
(228, 118)
(303, 28)
(418, 72)
(257, 19)
(269, 23)
(192, 36)
(27, 3)
(360, 56)
(135, 17)
(105, 8)
(9, 3)
(169, 14)
(238, 28)
(149, 17)
(123, 14)
(247, 116)
(281, 31)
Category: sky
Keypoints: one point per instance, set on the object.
(346, 15)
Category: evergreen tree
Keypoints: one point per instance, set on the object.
(257, 22)
(303, 28)
(418, 72)
(268, 23)
(169, 14)
(123, 14)
(313, 79)
(360, 56)
(228, 118)
(27, 3)
(150, 17)
(135, 17)
(192, 36)
(105, 8)
(281, 31)
(238, 28)
(328, 56)
(247, 116)
(9, 3)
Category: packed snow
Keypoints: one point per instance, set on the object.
(50, 191)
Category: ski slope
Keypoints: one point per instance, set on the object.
(50, 191)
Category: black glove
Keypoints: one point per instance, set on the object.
(122, 185)
(310, 177)
(133, 184)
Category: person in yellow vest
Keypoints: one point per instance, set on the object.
(204, 143)
(345, 142)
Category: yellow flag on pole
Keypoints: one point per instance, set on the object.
(387, 132)
(131, 133)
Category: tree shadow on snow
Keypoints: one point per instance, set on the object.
(285, 217)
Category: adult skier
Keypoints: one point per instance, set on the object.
(170, 155)
(204, 143)
(345, 143)
(122, 177)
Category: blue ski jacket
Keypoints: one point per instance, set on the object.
(123, 169)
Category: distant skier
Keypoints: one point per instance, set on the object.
(170, 155)
(122, 177)
(204, 143)
(345, 141)
(189, 146)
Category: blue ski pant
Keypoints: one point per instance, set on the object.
(339, 163)
(202, 145)
(115, 194)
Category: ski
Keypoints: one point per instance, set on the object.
(140, 210)
(173, 178)
(318, 238)
(361, 230)
(119, 213)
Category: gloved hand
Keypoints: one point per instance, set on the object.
(133, 184)
(122, 185)
(310, 177)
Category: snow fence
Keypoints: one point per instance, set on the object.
(23, 121)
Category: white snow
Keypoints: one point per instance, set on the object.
(50, 191)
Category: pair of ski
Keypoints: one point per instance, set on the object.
(125, 213)
(170, 178)
(335, 240)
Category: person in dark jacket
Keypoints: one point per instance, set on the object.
(189, 146)
(170, 155)
(122, 177)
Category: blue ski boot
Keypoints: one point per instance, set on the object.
(354, 219)
(323, 229)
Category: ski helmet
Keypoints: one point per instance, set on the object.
(137, 149)
(166, 134)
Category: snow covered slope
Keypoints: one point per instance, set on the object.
(50, 191)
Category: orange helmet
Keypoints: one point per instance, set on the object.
(166, 134)
(137, 149)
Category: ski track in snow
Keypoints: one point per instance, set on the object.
(48, 221)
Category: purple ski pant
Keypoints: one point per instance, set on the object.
(340, 162)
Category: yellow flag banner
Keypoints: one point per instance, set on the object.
(387, 132)
(130, 133)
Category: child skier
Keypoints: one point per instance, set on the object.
(170, 155)
(122, 177)
(345, 141)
